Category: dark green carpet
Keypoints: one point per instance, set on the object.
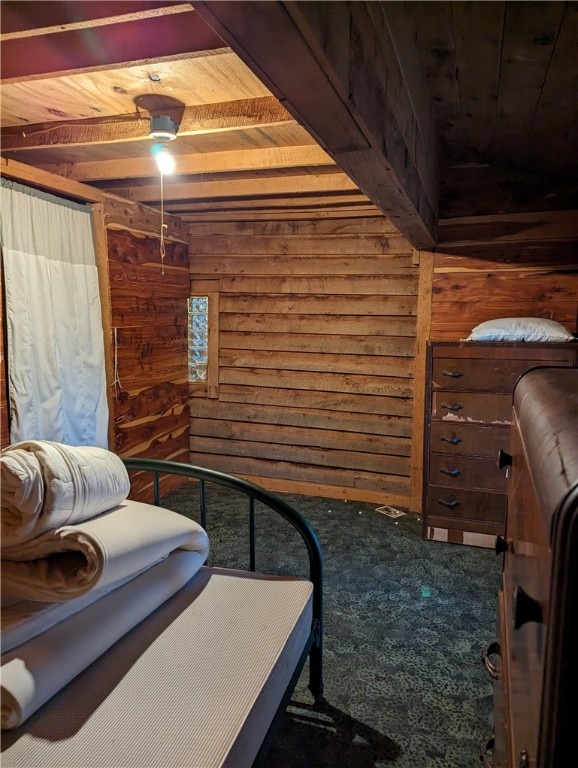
(405, 623)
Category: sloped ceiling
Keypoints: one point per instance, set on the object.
(292, 110)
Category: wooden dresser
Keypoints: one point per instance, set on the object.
(468, 416)
(537, 681)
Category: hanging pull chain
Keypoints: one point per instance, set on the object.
(163, 228)
(116, 383)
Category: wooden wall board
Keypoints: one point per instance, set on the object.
(300, 436)
(307, 392)
(309, 228)
(402, 346)
(137, 405)
(120, 213)
(304, 454)
(515, 265)
(318, 305)
(328, 491)
(228, 416)
(394, 250)
(148, 317)
(339, 325)
(366, 365)
(239, 465)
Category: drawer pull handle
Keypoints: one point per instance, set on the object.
(452, 440)
(451, 503)
(451, 472)
(453, 406)
(526, 608)
(453, 374)
(493, 649)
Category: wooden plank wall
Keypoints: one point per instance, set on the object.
(512, 265)
(148, 344)
(317, 336)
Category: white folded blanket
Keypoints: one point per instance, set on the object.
(67, 562)
(39, 668)
(47, 484)
(24, 619)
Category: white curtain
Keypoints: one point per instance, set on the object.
(56, 374)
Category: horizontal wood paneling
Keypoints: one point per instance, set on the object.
(300, 436)
(338, 401)
(517, 265)
(334, 363)
(339, 325)
(149, 324)
(320, 305)
(250, 415)
(317, 324)
(402, 346)
(264, 469)
(397, 285)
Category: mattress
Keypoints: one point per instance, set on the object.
(195, 685)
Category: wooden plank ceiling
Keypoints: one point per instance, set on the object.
(295, 110)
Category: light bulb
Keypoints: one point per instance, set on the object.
(163, 158)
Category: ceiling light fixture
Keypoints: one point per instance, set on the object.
(163, 130)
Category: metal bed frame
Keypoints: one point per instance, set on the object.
(254, 493)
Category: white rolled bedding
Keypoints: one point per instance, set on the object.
(46, 485)
(68, 562)
(24, 619)
(36, 670)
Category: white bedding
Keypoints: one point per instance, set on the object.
(46, 485)
(34, 671)
(24, 619)
(196, 684)
(69, 561)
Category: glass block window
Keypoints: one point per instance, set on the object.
(198, 337)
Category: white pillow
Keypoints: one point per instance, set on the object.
(520, 329)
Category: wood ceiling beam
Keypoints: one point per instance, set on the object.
(32, 19)
(12, 169)
(105, 47)
(273, 158)
(276, 215)
(206, 118)
(350, 74)
(303, 201)
(199, 190)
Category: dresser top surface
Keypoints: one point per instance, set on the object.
(521, 350)
(546, 408)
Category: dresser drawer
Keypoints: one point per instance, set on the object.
(482, 407)
(461, 504)
(482, 375)
(468, 439)
(466, 472)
